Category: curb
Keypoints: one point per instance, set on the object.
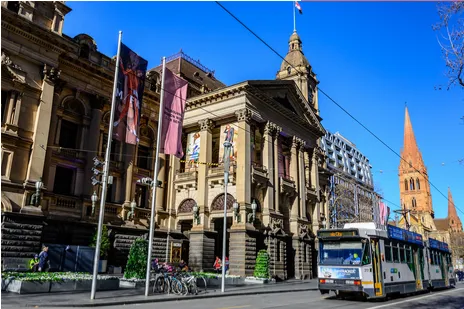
(170, 299)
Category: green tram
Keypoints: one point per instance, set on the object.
(360, 259)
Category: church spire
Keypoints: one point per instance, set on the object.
(454, 221)
(411, 152)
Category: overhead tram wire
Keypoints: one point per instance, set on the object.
(335, 102)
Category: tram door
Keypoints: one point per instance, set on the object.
(418, 265)
(444, 270)
(377, 267)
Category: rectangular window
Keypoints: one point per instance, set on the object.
(115, 148)
(64, 178)
(5, 98)
(69, 132)
(6, 163)
(388, 252)
(141, 196)
(143, 157)
(58, 19)
(110, 192)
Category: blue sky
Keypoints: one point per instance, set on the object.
(370, 57)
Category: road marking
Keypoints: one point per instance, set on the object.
(235, 307)
(414, 299)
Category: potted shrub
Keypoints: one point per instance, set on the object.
(104, 248)
(137, 261)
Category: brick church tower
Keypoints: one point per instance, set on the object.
(454, 222)
(414, 186)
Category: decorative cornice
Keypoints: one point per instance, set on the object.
(243, 115)
(215, 96)
(206, 125)
(51, 73)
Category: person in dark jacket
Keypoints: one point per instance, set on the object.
(43, 259)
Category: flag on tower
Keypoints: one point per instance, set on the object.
(297, 5)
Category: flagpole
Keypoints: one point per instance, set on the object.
(294, 16)
(155, 180)
(105, 174)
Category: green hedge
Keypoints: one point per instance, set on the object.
(262, 265)
(55, 277)
(137, 263)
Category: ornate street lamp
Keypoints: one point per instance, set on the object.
(252, 216)
(254, 206)
(196, 214)
(36, 196)
(236, 211)
(94, 199)
(133, 204)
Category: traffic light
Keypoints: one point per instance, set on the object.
(97, 165)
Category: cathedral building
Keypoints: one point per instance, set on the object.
(416, 197)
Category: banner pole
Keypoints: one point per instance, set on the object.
(155, 181)
(105, 174)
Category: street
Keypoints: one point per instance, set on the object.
(447, 299)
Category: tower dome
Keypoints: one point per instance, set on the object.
(297, 68)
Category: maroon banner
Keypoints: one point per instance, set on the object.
(175, 95)
(129, 93)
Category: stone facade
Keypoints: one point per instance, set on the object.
(56, 93)
(274, 164)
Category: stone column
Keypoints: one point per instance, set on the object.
(268, 162)
(201, 251)
(295, 213)
(315, 180)
(92, 143)
(241, 244)
(42, 125)
(159, 204)
(129, 161)
(206, 154)
(276, 188)
(302, 180)
(243, 159)
(17, 109)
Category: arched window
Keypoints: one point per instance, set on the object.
(417, 184)
(414, 204)
(406, 185)
(411, 184)
(289, 70)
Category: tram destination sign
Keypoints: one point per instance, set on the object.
(340, 233)
(404, 235)
(436, 244)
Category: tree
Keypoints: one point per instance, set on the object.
(451, 39)
(104, 243)
(457, 245)
(137, 263)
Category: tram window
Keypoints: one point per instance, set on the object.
(402, 254)
(388, 252)
(367, 254)
(408, 254)
(396, 257)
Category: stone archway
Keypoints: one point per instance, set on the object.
(218, 202)
(186, 206)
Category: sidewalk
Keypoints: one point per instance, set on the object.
(136, 296)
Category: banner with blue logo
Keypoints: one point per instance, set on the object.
(339, 273)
